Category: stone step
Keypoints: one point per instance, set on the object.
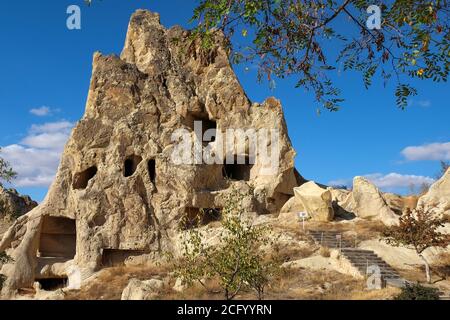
(359, 258)
(398, 283)
(357, 251)
(380, 261)
(384, 274)
(370, 263)
(364, 269)
(324, 232)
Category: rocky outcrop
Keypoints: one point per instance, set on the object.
(121, 189)
(367, 202)
(316, 201)
(142, 290)
(438, 196)
(294, 204)
(400, 204)
(13, 205)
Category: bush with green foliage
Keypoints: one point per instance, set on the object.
(418, 229)
(236, 262)
(418, 292)
(6, 172)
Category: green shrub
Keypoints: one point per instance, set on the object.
(418, 292)
(236, 262)
(2, 281)
(4, 258)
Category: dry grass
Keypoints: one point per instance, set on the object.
(324, 252)
(294, 230)
(296, 285)
(283, 254)
(289, 284)
(109, 283)
(442, 265)
(323, 285)
(363, 229)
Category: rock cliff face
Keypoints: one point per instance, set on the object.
(14, 205)
(119, 191)
(367, 202)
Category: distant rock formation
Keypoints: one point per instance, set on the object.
(438, 196)
(367, 202)
(14, 205)
(118, 193)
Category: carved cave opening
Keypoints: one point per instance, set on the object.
(152, 170)
(196, 217)
(130, 165)
(206, 123)
(58, 238)
(52, 284)
(236, 171)
(81, 179)
(117, 257)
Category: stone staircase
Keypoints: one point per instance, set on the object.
(330, 239)
(360, 259)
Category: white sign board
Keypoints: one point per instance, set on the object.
(303, 215)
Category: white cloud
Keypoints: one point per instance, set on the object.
(389, 182)
(52, 135)
(420, 103)
(41, 112)
(432, 151)
(36, 157)
(397, 180)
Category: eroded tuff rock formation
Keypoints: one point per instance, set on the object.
(13, 205)
(437, 198)
(367, 202)
(117, 193)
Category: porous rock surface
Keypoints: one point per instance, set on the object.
(117, 193)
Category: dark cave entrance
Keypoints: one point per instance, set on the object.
(152, 170)
(52, 284)
(58, 238)
(81, 179)
(193, 120)
(235, 171)
(196, 217)
(117, 257)
(131, 164)
(208, 124)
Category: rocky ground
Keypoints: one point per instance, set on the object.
(308, 271)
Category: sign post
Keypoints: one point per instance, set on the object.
(303, 215)
(339, 239)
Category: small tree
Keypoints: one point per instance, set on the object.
(4, 258)
(444, 165)
(237, 261)
(6, 172)
(418, 229)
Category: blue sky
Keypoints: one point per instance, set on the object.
(46, 69)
